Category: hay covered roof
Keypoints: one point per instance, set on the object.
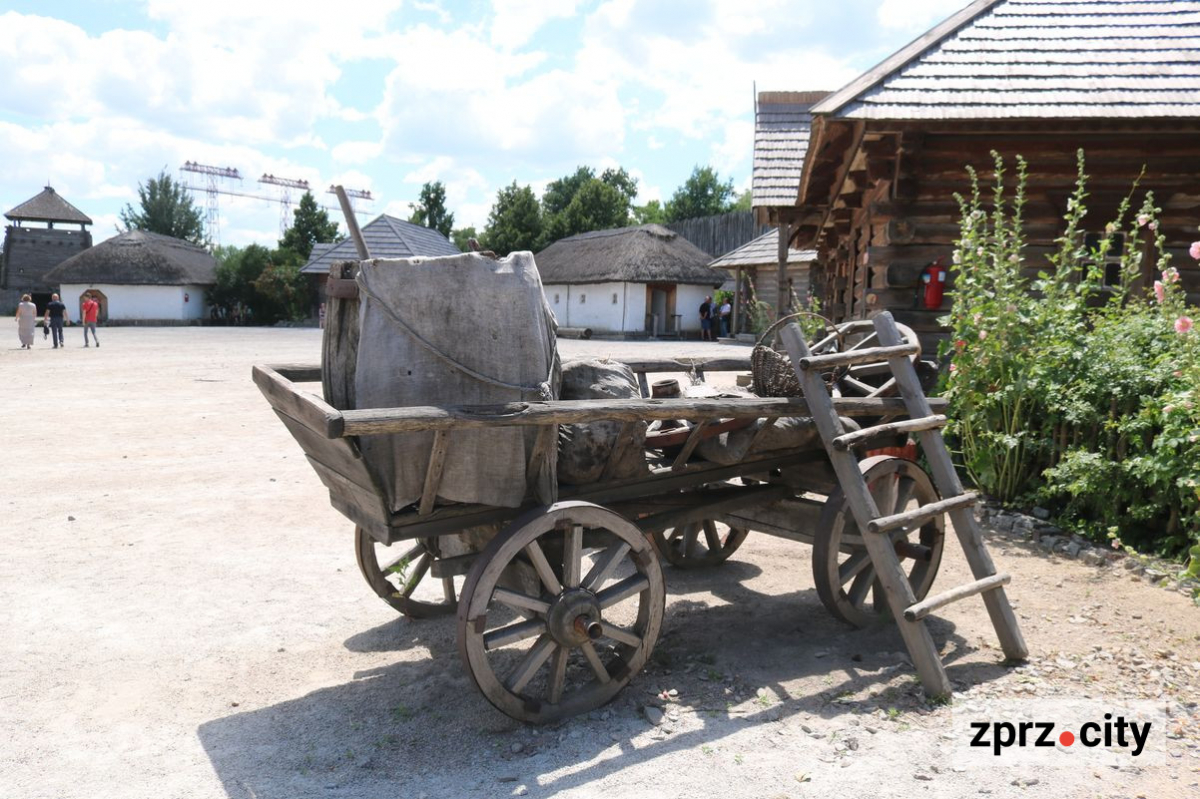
(645, 254)
(48, 206)
(138, 258)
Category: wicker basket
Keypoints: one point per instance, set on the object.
(771, 370)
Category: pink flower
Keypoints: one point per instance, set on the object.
(1194, 250)
(1143, 219)
(1170, 275)
(983, 334)
(1168, 408)
(1116, 543)
(1154, 225)
(953, 368)
(1160, 291)
(1183, 325)
(1178, 373)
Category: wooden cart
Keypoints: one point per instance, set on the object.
(564, 603)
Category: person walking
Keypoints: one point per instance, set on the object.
(26, 320)
(91, 310)
(56, 316)
(706, 319)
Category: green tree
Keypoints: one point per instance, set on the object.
(267, 282)
(702, 194)
(744, 202)
(650, 213)
(237, 270)
(165, 207)
(461, 236)
(310, 225)
(515, 221)
(430, 209)
(582, 202)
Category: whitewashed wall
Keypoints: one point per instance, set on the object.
(687, 304)
(592, 305)
(144, 302)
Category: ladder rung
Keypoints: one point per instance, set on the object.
(922, 514)
(930, 604)
(859, 356)
(857, 437)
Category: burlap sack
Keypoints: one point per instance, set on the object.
(457, 330)
(585, 450)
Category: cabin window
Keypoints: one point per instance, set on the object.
(582, 299)
(614, 298)
(1111, 263)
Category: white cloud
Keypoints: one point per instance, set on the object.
(915, 15)
(356, 152)
(516, 21)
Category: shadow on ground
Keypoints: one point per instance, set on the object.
(419, 726)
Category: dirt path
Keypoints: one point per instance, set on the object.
(181, 616)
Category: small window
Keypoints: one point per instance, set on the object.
(614, 298)
(582, 299)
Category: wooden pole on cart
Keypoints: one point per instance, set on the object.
(339, 347)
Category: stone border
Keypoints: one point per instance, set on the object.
(1038, 530)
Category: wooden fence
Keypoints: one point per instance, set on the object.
(719, 234)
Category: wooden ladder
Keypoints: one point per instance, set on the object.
(840, 445)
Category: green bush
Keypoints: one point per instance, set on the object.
(1068, 392)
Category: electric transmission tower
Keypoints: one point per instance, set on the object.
(354, 194)
(285, 186)
(212, 190)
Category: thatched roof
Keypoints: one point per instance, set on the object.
(48, 207)
(763, 251)
(646, 254)
(138, 258)
(386, 237)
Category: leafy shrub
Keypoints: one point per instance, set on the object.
(1069, 392)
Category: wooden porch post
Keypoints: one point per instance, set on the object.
(781, 296)
(737, 301)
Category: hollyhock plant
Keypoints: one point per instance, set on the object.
(1194, 250)
(1160, 291)
(1183, 325)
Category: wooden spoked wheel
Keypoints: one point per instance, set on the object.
(870, 379)
(571, 642)
(399, 575)
(698, 545)
(842, 569)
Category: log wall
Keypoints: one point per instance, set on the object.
(896, 211)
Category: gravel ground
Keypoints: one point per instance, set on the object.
(181, 616)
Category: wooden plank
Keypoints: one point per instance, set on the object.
(433, 473)
(689, 446)
(706, 505)
(339, 454)
(377, 421)
(626, 437)
(736, 363)
(918, 516)
(865, 355)
(356, 235)
(857, 437)
(367, 503)
(298, 372)
(339, 343)
(796, 519)
(930, 604)
(305, 408)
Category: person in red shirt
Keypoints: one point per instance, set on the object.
(91, 310)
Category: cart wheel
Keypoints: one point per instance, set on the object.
(682, 547)
(399, 575)
(595, 628)
(869, 379)
(842, 568)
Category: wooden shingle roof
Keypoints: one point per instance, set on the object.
(782, 121)
(386, 237)
(762, 251)
(48, 206)
(1028, 59)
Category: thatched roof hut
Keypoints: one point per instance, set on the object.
(49, 207)
(139, 258)
(635, 278)
(645, 254)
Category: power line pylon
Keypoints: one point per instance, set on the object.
(285, 186)
(212, 191)
(354, 194)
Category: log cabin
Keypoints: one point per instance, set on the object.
(1036, 78)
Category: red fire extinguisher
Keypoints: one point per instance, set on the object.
(933, 280)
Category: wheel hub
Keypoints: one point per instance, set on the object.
(574, 617)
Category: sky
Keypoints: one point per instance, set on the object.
(385, 95)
